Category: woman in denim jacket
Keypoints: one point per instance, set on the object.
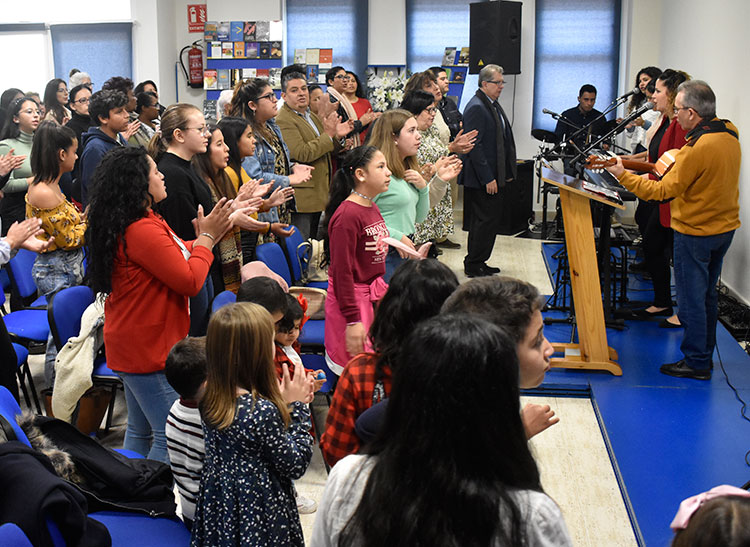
(256, 101)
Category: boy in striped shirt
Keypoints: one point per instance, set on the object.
(186, 373)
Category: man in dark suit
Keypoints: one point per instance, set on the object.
(310, 141)
(489, 166)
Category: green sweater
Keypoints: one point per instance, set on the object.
(22, 147)
(402, 206)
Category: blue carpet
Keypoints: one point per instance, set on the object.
(669, 438)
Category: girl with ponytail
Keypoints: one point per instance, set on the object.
(354, 248)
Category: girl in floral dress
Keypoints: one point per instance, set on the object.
(256, 434)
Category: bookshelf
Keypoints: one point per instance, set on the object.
(456, 65)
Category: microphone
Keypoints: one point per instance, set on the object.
(555, 115)
(633, 115)
(633, 91)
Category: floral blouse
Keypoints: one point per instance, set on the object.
(62, 223)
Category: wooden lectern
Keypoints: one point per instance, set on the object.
(591, 352)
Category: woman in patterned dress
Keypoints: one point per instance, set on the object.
(53, 153)
(439, 222)
(256, 434)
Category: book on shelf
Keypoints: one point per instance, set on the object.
(448, 72)
(300, 56)
(262, 31)
(449, 57)
(214, 50)
(236, 31)
(223, 79)
(239, 50)
(322, 76)
(275, 50)
(210, 79)
(274, 78)
(312, 73)
(248, 73)
(210, 31)
(223, 31)
(264, 50)
(227, 50)
(251, 50)
(463, 57)
(458, 74)
(312, 57)
(248, 32)
(209, 109)
(326, 58)
(235, 76)
(275, 31)
(262, 73)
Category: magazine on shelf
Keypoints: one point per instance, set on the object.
(223, 31)
(210, 79)
(248, 32)
(210, 31)
(449, 57)
(262, 31)
(463, 57)
(326, 58)
(227, 50)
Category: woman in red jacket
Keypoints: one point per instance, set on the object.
(146, 273)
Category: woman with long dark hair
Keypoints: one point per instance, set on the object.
(146, 272)
(654, 218)
(53, 154)
(452, 465)
(255, 101)
(56, 101)
(416, 292)
(636, 131)
(354, 248)
(240, 140)
(18, 135)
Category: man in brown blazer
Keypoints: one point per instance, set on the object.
(310, 141)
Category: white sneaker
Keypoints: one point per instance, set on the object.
(305, 506)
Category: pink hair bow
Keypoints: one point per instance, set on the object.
(692, 504)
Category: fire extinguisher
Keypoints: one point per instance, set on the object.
(195, 63)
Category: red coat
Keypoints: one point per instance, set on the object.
(147, 311)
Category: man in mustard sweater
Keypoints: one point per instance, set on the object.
(310, 141)
(704, 187)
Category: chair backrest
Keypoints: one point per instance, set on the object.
(272, 256)
(298, 252)
(222, 299)
(20, 273)
(9, 409)
(65, 310)
(12, 536)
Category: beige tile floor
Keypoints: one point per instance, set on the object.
(574, 465)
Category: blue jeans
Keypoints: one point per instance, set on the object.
(149, 398)
(697, 266)
(392, 261)
(53, 272)
(200, 308)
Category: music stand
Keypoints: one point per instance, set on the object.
(591, 352)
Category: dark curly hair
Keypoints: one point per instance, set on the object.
(118, 197)
(118, 83)
(416, 292)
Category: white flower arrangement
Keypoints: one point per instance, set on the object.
(386, 91)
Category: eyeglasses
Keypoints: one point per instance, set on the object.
(31, 111)
(431, 111)
(343, 77)
(82, 101)
(203, 129)
(496, 82)
(270, 96)
(678, 108)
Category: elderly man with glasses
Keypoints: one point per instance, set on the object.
(487, 167)
(703, 185)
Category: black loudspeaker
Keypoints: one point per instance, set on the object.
(495, 36)
(518, 200)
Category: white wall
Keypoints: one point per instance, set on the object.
(706, 39)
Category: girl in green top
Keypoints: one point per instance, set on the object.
(17, 135)
(407, 200)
